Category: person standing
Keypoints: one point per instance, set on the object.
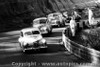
(73, 26)
(90, 16)
(91, 19)
(77, 16)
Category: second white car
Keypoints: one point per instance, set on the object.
(44, 26)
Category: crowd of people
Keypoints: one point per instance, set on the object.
(75, 19)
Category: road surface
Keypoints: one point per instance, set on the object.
(11, 54)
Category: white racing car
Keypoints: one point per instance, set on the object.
(56, 19)
(43, 25)
(31, 38)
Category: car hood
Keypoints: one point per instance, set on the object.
(30, 39)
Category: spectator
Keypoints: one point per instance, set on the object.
(73, 26)
(91, 19)
(90, 16)
(77, 16)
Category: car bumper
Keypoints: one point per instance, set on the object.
(35, 48)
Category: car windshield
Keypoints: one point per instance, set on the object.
(42, 21)
(35, 32)
(32, 33)
(28, 33)
(36, 22)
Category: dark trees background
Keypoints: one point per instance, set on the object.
(16, 14)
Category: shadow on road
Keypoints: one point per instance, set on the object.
(52, 48)
(54, 34)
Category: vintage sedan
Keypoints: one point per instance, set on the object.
(56, 19)
(43, 25)
(31, 38)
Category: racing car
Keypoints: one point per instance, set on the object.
(56, 19)
(43, 25)
(31, 38)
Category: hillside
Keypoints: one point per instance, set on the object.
(20, 13)
(16, 14)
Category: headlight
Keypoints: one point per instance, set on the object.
(24, 44)
(42, 41)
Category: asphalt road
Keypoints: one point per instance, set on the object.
(11, 54)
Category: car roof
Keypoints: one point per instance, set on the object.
(56, 13)
(37, 19)
(29, 29)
